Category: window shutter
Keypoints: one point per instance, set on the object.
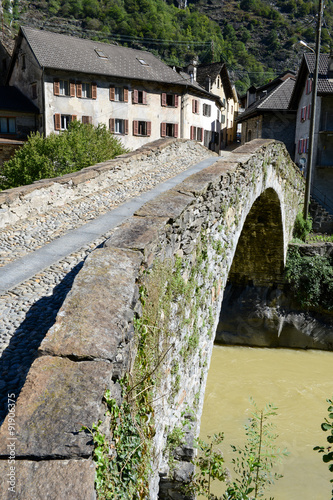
(135, 96)
(307, 145)
(201, 135)
(111, 124)
(72, 89)
(309, 111)
(56, 87)
(74, 118)
(193, 105)
(148, 128)
(94, 91)
(175, 132)
(79, 89)
(126, 127)
(192, 133)
(112, 93)
(125, 94)
(57, 121)
(144, 97)
(163, 129)
(86, 119)
(176, 101)
(135, 127)
(164, 99)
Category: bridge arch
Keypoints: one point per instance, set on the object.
(260, 253)
(177, 252)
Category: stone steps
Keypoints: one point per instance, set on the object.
(322, 220)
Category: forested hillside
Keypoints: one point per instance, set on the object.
(256, 38)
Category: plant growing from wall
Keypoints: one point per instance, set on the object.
(327, 452)
(121, 458)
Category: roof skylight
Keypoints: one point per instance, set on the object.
(101, 54)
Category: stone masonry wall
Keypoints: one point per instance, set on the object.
(179, 248)
(40, 197)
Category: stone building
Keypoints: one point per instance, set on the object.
(215, 78)
(267, 114)
(132, 92)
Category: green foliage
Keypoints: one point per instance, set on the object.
(302, 227)
(253, 464)
(41, 157)
(119, 459)
(209, 465)
(319, 238)
(310, 278)
(327, 426)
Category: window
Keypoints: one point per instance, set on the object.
(195, 106)
(61, 122)
(196, 134)
(207, 109)
(101, 54)
(118, 126)
(86, 90)
(309, 111)
(34, 90)
(86, 119)
(308, 89)
(7, 125)
(169, 129)
(170, 100)
(141, 128)
(218, 82)
(139, 97)
(64, 88)
(303, 113)
(23, 62)
(118, 94)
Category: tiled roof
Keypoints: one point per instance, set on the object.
(276, 100)
(63, 52)
(12, 99)
(212, 71)
(325, 86)
(208, 70)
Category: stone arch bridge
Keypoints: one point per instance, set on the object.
(164, 268)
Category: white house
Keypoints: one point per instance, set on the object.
(132, 92)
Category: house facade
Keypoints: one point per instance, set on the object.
(215, 79)
(267, 114)
(322, 173)
(132, 92)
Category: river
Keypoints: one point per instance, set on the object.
(298, 383)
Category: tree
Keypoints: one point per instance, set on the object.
(41, 157)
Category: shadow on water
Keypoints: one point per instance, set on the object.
(267, 317)
(21, 352)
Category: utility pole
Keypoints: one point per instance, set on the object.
(313, 115)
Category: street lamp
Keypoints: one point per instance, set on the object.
(313, 114)
(307, 46)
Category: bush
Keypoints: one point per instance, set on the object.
(41, 157)
(310, 279)
(302, 227)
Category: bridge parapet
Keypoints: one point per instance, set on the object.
(178, 251)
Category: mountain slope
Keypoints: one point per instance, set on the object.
(256, 38)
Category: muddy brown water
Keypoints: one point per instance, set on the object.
(298, 383)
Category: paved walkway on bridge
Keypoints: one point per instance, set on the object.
(24, 268)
